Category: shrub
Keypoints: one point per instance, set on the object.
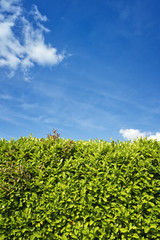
(66, 189)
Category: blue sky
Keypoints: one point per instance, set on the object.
(89, 69)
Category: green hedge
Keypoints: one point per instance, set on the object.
(63, 189)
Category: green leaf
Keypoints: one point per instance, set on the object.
(153, 226)
(135, 236)
(85, 231)
(123, 230)
(73, 236)
(34, 195)
(1, 220)
(2, 237)
(37, 234)
(64, 237)
(146, 230)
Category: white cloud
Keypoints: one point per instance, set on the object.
(131, 134)
(37, 15)
(27, 47)
(156, 136)
(11, 6)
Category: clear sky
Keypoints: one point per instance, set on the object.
(90, 69)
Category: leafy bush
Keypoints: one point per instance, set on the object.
(61, 189)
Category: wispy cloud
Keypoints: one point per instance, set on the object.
(22, 42)
(88, 124)
(7, 115)
(131, 134)
(29, 106)
(5, 96)
(136, 13)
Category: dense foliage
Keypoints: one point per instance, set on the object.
(61, 189)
